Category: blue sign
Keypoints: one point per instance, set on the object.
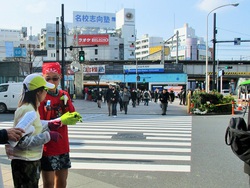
(9, 49)
(20, 52)
(155, 78)
(144, 70)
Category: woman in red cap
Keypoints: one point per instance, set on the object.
(55, 161)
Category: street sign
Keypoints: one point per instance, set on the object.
(221, 73)
(237, 41)
(40, 52)
(75, 66)
(20, 52)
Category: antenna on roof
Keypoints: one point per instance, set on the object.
(30, 30)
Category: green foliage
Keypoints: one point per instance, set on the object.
(212, 102)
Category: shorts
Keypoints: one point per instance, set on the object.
(58, 162)
(25, 173)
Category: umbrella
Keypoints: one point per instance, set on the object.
(247, 82)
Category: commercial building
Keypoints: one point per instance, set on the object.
(148, 45)
(103, 36)
(190, 46)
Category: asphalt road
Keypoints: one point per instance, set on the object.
(213, 164)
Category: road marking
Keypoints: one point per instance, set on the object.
(130, 156)
(131, 167)
(134, 148)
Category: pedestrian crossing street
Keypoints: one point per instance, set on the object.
(145, 143)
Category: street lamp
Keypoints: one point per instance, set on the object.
(231, 4)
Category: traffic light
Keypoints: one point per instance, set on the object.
(144, 80)
(228, 67)
(81, 56)
(223, 72)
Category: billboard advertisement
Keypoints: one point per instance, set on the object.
(94, 69)
(94, 19)
(20, 52)
(93, 40)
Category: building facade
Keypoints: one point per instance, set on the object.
(145, 46)
(190, 47)
(102, 36)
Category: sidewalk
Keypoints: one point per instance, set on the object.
(89, 107)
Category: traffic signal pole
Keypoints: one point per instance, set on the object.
(214, 46)
(62, 66)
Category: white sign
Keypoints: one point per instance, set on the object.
(94, 19)
(100, 69)
(143, 68)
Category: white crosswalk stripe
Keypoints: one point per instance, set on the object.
(163, 144)
(144, 144)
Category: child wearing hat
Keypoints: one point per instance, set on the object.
(25, 155)
(55, 161)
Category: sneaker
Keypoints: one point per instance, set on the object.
(114, 116)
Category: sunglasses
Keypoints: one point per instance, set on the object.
(53, 79)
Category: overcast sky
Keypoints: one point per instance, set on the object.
(153, 17)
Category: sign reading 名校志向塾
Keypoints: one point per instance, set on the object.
(93, 40)
(94, 19)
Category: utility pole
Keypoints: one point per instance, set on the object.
(62, 67)
(214, 51)
(177, 44)
(57, 39)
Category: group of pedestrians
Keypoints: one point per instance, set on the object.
(113, 97)
(45, 148)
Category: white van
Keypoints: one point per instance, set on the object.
(10, 94)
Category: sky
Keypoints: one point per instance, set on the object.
(156, 18)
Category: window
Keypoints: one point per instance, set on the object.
(51, 45)
(4, 88)
(51, 38)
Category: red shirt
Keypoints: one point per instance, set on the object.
(57, 109)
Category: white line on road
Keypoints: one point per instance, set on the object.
(117, 142)
(130, 156)
(126, 148)
(131, 167)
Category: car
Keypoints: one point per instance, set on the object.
(225, 92)
(10, 94)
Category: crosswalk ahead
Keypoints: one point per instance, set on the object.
(147, 144)
(139, 144)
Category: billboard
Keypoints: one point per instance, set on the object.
(94, 19)
(9, 48)
(93, 40)
(20, 52)
(94, 69)
(143, 68)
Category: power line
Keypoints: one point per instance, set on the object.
(233, 31)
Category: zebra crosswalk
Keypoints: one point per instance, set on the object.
(144, 144)
(131, 144)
